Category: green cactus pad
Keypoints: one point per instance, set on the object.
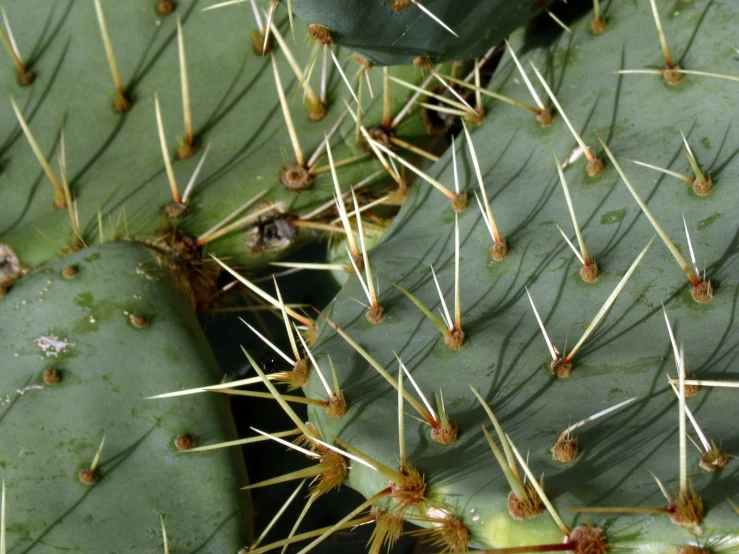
(388, 36)
(639, 116)
(84, 341)
(114, 161)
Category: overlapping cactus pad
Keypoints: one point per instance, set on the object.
(83, 342)
(400, 31)
(505, 357)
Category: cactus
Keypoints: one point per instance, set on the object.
(628, 479)
(88, 464)
(113, 162)
(595, 418)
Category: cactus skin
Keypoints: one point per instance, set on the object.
(504, 358)
(639, 117)
(115, 162)
(108, 367)
(389, 37)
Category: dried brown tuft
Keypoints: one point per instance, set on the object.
(588, 540)
(366, 63)
(174, 210)
(399, 5)
(337, 406)
(545, 117)
(296, 178)
(590, 273)
(185, 148)
(703, 187)
(378, 134)
(423, 62)
(455, 340)
(714, 460)
(561, 368)
(691, 390)
(10, 266)
(316, 110)
(598, 25)
(447, 534)
(165, 7)
(296, 378)
(60, 201)
(525, 508)
(184, 442)
(320, 33)
(334, 471)
(594, 167)
(459, 204)
(26, 78)
(702, 292)
(412, 492)
(445, 435)
(672, 75)
(499, 250)
(89, 476)
(566, 450)
(51, 376)
(687, 510)
(122, 103)
(257, 42)
(138, 321)
(311, 333)
(375, 315)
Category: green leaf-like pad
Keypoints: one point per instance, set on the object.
(115, 331)
(640, 117)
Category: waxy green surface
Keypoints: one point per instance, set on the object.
(82, 327)
(505, 357)
(114, 162)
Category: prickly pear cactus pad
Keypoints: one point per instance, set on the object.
(113, 162)
(83, 342)
(396, 32)
(611, 483)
